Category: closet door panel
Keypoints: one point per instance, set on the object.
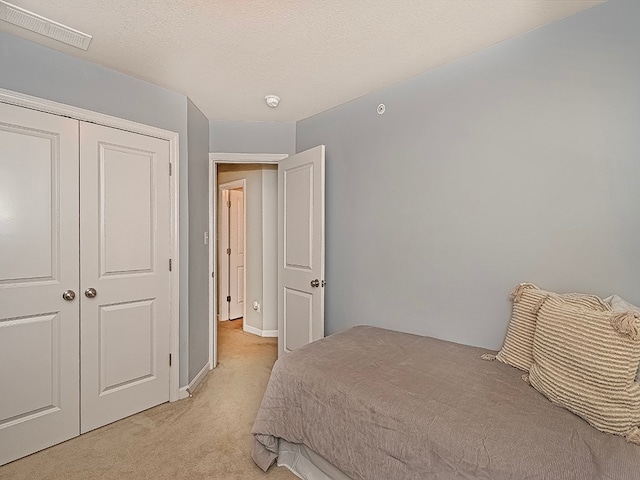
(39, 330)
(127, 205)
(125, 244)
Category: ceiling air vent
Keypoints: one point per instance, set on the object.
(36, 23)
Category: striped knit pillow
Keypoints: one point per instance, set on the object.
(619, 305)
(518, 344)
(585, 361)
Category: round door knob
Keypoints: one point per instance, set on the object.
(69, 295)
(315, 283)
(90, 292)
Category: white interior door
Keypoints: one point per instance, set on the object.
(223, 256)
(39, 334)
(300, 249)
(125, 282)
(236, 253)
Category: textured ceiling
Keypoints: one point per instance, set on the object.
(227, 55)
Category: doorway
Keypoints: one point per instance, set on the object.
(245, 282)
(297, 245)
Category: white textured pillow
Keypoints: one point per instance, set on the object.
(619, 305)
(583, 360)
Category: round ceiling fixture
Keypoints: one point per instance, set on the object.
(272, 100)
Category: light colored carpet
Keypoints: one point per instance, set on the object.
(204, 437)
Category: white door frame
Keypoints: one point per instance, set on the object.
(232, 186)
(55, 108)
(214, 160)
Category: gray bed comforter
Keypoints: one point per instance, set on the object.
(385, 405)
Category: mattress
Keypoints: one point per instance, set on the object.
(379, 404)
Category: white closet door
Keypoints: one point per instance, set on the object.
(124, 247)
(38, 262)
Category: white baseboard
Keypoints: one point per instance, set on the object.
(258, 332)
(250, 329)
(182, 393)
(189, 389)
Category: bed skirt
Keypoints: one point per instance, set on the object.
(305, 463)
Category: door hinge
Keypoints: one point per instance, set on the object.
(228, 298)
(228, 203)
(170, 169)
(169, 264)
(169, 359)
(228, 251)
(213, 274)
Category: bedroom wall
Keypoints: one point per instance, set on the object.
(35, 70)
(198, 147)
(252, 137)
(517, 163)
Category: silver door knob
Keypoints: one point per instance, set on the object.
(315, 283)
(90, 292)
(69, 295)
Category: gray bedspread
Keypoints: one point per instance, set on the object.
(385, 405)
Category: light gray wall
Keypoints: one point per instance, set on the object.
(518, 163)
(270, 247)
(252, 137)
(198, 147)
(42, 72)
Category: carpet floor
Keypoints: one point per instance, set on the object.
(207, 436)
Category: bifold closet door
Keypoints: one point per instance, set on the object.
(125, 279)
(39, 304)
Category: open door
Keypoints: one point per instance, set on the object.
(231, 254)
(236, 253)
(301, 249)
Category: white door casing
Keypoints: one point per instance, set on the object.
(124, 256)
(236, 260)
(39, 335)
(301, 212)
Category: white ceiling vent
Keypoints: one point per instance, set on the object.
(36, 23)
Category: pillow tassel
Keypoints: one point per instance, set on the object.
(516, 295)
(626, 323)
(634, 436)
(525, 378)
(489, 357)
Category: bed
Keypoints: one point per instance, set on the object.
(370, 403)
